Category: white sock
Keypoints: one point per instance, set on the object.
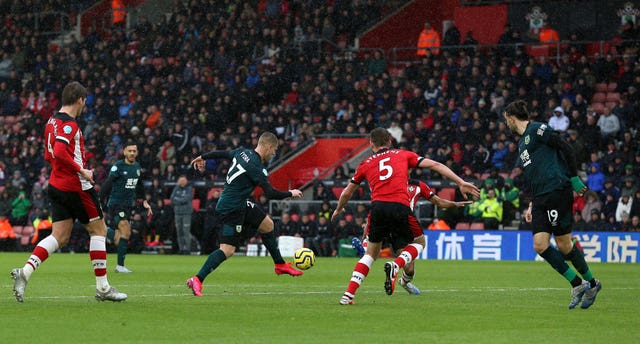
(50, 245)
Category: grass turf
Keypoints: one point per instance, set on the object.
(245, 302)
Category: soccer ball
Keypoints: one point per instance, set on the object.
(304, 258)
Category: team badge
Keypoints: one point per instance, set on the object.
(121, 214)
(114, 168)
(239, 228)
(138, 172)
(264, 170)
(66, 129)
(526, 140)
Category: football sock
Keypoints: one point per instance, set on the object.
(110, 234)
(98, 255)
(215, 258)
(122, 250)
(44, 249)
(360, 271)
(408, 254)
(577, 259)
(406, 278)
(552, 256)
(269, 241)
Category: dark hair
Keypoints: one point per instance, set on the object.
(517, 108)
(72, 92)
(380, 137)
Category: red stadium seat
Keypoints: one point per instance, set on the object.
(610, 105)
(598, 107)
(447, 193)
(599, 97)
(477, 225)
(611, 87)
(195, 203)
(463, 225)
(613, 97)
(337, 191)
(295, 217)
(601, 87)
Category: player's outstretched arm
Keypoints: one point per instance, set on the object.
(466, 188)
(345, 196)
(199, 162)
(445, 203)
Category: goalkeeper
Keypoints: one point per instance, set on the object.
(549, 164)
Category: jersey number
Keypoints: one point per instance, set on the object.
(385, 170)
(49, 145)
(552, 215)
(231, 175)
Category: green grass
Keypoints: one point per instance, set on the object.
(245, 302)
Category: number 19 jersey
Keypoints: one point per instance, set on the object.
(387, 172)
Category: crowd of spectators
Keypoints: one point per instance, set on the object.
(214, 74)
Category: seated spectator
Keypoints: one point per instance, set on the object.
(8, 240)
(438, 224)
(595, 177)
(559, 121)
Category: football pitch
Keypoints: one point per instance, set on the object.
(245, 302)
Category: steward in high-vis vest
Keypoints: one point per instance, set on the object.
(429, 39)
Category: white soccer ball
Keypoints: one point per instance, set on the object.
(304, 258)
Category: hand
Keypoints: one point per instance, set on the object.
(462, 203)
(583, 190)
(146, 205)
(468, 188)
(335, 214)
(87, 174)
(198, 164)
(527, 215)
(295, 193)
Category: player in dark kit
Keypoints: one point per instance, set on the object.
(71, 195)
(122, 188)
(550, 166)
(241, 218)
(387, 172)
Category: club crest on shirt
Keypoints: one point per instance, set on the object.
(238, 228)
(264, 170)
(66, 129)
(114, 168)
(121, 214)
(527, 139)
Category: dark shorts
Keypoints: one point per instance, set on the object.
(393, 221)
(118, 213)
(551, 212)
(241, 224)
(83, 206)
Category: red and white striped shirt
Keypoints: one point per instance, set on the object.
(64, 150)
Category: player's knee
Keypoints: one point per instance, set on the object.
(266, 225)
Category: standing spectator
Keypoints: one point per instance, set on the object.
(322, 243)
(181, 199)
(72, 197)
(451, 36)
(20, 209)
(166, 153)
(428, 40)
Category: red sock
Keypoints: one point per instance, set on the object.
(360, 271)
(408, 254)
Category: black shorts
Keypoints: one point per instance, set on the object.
(393, 221)
(551, 212)
(83, 206)
(118, 213)
(241, 224)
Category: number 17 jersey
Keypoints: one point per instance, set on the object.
(387, 172)
(245, 173)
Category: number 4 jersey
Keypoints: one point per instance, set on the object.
(65, 152)
(388, 173)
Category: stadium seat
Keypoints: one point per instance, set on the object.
(195, 203)
(611, 87)
(601, 87)
(295, 217)
(477, 225)
(463, 225)
(447, 193)
(599, 97)
(337, 191)
(212, 191)
(598, 107)
(610, 105)
(166, 201)
(613, 97)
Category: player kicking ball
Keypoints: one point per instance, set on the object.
(241, 218)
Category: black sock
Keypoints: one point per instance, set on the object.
(552, 256)
(269, 241)
(577, 259)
